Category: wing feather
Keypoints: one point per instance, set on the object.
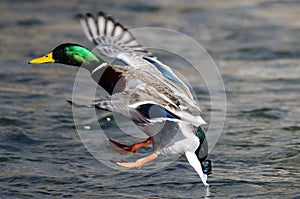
(110, 37)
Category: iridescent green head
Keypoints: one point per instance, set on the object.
(69, 54)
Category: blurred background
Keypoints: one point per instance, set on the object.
(256, 47)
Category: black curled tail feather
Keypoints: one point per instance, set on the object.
(202, 152)
(206, 167)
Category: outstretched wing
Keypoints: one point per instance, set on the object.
(114, 106)
(143, 114)
(109, 36)
(116, 41)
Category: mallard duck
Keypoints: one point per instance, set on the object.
(144, 90)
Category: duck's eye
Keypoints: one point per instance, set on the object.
(46, 56)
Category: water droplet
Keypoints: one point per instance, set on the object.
(87, 127)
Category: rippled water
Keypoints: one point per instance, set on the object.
(254, 43)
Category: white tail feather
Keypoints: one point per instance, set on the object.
(194, 162)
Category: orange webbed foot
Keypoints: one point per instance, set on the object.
(139, 163)
(120, 148)
(124, 149)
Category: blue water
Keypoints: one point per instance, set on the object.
(254, 43)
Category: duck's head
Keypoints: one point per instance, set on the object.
(69, 54)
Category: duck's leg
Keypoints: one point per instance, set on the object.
(139, 163)
(116, 146)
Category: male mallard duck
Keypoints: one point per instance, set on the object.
(145, 90)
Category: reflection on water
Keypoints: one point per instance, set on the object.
(255, 43)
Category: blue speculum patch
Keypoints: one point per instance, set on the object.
(155, 111)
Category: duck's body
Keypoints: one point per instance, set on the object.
(145, 90)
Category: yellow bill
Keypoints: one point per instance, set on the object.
(48, 58)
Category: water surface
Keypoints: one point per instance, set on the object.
(254, 43)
